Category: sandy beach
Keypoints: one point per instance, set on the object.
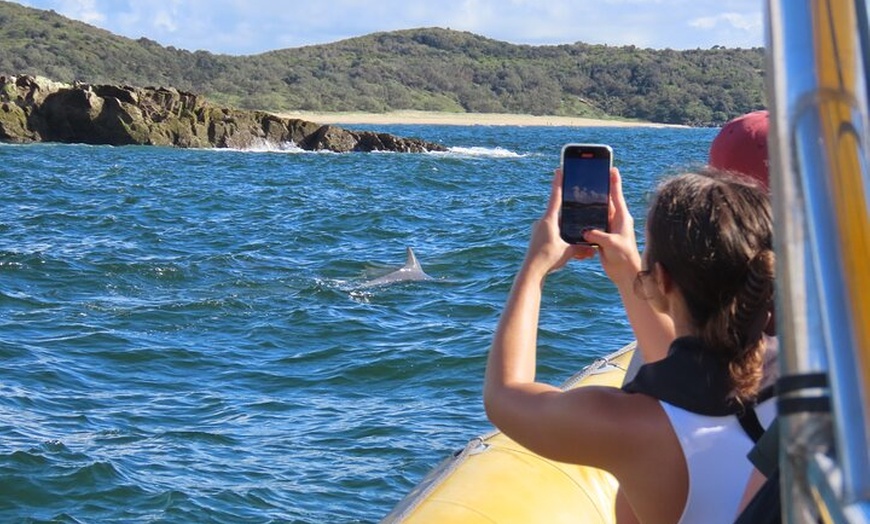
(461, 119)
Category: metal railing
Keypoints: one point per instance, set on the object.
(821, 193)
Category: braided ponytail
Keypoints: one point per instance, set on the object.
(735, 332)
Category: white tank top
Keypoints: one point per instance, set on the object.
(715, 449)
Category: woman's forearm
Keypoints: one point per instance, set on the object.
(512, 358)
(653, 331)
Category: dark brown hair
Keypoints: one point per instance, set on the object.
(712, 232)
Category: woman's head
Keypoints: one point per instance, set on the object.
(712, 233)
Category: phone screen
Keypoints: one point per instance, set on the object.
(585, 190)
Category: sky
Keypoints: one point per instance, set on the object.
(245, 27)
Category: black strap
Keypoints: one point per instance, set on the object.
(789, 383)
(789, 405)
(749, 418)
(750, 424)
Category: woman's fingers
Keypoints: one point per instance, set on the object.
(555, 202)
(598, 237)
(619, 208)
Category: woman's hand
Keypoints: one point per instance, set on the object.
(618, 249)
(547, 251)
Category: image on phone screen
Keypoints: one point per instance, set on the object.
(585, 190)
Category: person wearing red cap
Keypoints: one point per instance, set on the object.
(741, 147)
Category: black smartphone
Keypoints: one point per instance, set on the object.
(585, 190)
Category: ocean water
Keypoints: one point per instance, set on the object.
(186, 336)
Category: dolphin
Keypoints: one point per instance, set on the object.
(411, 271)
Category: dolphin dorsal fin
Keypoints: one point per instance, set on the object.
(411, 262)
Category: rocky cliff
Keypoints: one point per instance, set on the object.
(35, 109)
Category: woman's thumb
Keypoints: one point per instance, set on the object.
(596, 236)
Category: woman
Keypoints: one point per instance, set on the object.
(707, 270)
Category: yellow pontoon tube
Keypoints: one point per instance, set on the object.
(495, 479)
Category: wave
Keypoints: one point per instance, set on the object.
(485, 152)
(474, 151)
(264, 146)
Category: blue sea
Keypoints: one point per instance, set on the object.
(186, 335)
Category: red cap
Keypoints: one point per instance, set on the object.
(741, 146)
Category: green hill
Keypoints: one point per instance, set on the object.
(421, 69)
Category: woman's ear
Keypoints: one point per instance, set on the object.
(664, 282)
(660, 285)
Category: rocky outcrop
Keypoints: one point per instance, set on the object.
(35, 109)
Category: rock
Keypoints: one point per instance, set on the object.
(13, 124)
(35, 109)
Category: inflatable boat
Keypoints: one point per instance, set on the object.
(494, 479)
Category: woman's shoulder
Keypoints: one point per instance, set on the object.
(619, 424)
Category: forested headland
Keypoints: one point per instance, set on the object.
(429, 69)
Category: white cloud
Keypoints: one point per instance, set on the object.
(165, 18)
(83, 10)
(733, 20)
(255, 26)
(731, 29)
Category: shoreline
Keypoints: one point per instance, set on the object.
(460, 119)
